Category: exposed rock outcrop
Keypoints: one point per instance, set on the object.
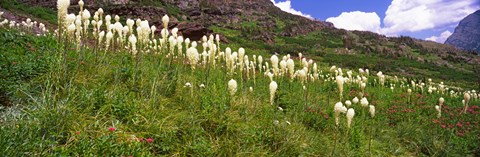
(467, 33)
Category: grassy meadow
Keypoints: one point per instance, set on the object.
(77, 92)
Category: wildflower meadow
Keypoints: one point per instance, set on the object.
(104, 85)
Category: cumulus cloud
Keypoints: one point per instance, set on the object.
(441, 38)
(408, 16)
(357, 20)
(287, 7)
(412, 16)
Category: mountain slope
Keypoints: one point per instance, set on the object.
(467, 33)
(262, 28)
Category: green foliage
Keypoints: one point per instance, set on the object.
(38, 12)
(23, 58)
(171, 10)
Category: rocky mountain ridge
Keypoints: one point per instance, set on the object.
(467, 33)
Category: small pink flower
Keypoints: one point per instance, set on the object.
(149, 140)
(444, 126)
(112, 129)
(78, 132)
(459, 124)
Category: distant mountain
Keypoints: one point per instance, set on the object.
(467, 33)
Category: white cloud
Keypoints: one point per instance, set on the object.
(357, 20)
(441, 38)
(287, 7)
(413, 16)
(408, 16)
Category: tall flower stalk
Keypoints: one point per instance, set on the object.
(339, 108)
(372, 114)
(273, 89)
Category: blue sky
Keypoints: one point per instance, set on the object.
(423, 19)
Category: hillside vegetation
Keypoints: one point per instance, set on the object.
(128, 90)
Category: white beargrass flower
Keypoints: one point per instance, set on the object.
(241, 55)
(273, 88)
(100, 36)
(355, 100)
(372, 111)
(466, 100)
(350, 114)
(466, 96)
(86, 15)
(62, 6)
(71, 28)
(133, 42)
(439, 110)
(109, 37)
(363, 85)
(175, 32)
(441, 101)
(188, 84)
(348, 103)
(274, 60)
(193, 56)
(303, 75)
(270, 75)
(339, 108)
(291, 67)
(276, 122)
(364, 102)
(232, 86)
(165, 20)
(117, 18)
(340, 82)
(187, 42)
(283, 67)
(260, 62)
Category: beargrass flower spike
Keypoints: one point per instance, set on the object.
(273, 89)
(232, 86)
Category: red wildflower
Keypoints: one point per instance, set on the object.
(149, 140)
(78, 132)
(459, 124)
(112, 129)
(444, 126)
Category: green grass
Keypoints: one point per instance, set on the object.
(171, 10)
(38, 12)
(67, 110)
